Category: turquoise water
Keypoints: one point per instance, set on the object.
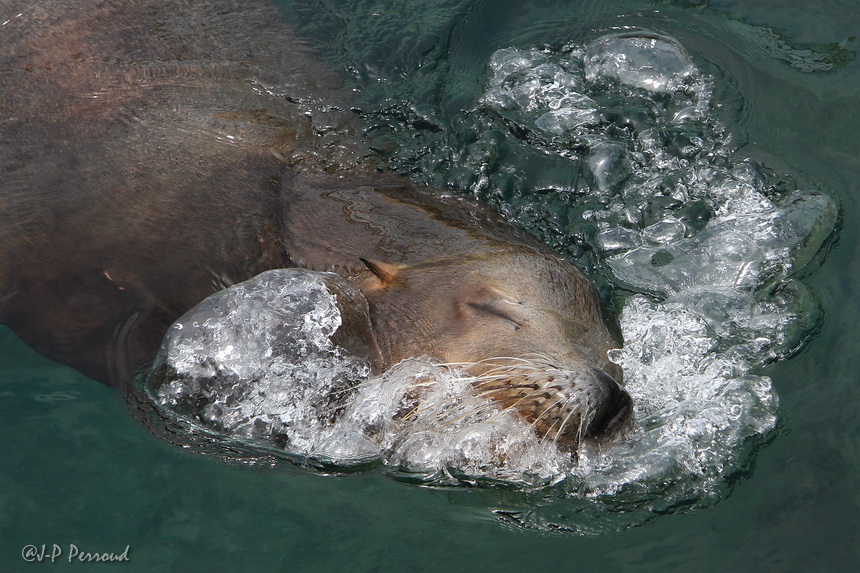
(76, 468)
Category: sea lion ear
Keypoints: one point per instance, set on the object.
(384, 271)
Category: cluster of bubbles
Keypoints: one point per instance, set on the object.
(705, 245)
(260, 361)
(257, 360)
(709, 246)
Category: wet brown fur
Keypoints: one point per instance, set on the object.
(154, 152)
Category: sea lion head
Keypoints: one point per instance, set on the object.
(527, 325)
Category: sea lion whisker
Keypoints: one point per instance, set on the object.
(420, 383)
(491, 389)
(342, 393)
(545, 411)
(421, 408)
(586, 418)
(477, 380)
(549, 432)
(478, 410)
(477, 362)
(502, 409)
(435, 401)
(521, 366)
(413, 413)
(536, 392)
(514, 372)
(505, 362)
(565, 422)
(505, 409)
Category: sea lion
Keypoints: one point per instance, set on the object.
(154, 152)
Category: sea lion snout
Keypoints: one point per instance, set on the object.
(565, 404)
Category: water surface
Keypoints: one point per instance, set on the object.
(78, 469)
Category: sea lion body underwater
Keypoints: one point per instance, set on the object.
(153, 152)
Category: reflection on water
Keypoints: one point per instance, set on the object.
(710, 243)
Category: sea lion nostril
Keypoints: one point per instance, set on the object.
(608, 382)
(616, 409)
(621, 414)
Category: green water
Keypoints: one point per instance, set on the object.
(76, 468)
